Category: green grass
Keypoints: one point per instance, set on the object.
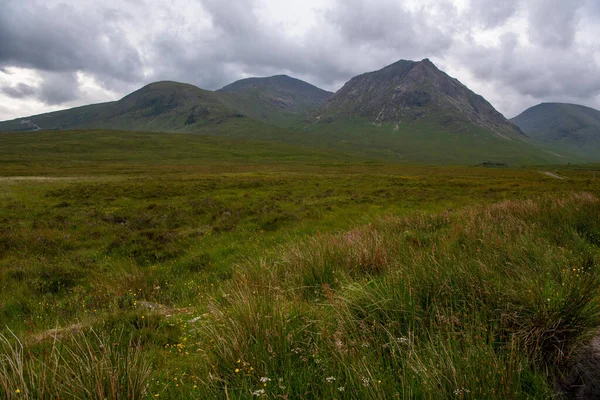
(315, 270)
(101, 151)
(427, 142)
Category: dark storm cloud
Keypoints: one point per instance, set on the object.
(61, 38)
(18, 91)
(55, 88)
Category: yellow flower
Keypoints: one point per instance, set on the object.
(18, 391)
(237, 370)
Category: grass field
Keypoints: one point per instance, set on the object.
(187, 266)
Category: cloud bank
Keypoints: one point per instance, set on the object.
(56, 54)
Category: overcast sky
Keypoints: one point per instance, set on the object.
(58, 54)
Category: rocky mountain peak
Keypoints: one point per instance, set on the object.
(407, 91)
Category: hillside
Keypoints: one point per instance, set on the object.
(161, 106)
(563, 126)
(179, 107)
(277, 99)
(408, 91)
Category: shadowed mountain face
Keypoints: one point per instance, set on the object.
(408, 91)
(276, 99)
(563, 127)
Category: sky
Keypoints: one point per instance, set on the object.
(516, 53)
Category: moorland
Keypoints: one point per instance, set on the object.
(209, 267)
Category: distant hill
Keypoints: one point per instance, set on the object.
(563, 126)
(179, 107)
(161, 106)
(407, 91)
(277, 99)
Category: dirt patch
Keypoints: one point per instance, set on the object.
(550, 174)
(150, 308)
(58, 333)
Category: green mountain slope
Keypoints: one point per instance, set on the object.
(277, 99)
(426, 142)
(160, 106)
(563, 127)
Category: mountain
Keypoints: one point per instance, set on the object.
(563, 126)
(409, 112)
(277, 99)
(179, 107)
(408, 91)
(161, 106)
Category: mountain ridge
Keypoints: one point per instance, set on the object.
(162, 105)
(408, 111)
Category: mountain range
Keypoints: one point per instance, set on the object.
(408, 111)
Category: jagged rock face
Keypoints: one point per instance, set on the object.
(408, 90)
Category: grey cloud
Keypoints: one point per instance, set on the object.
(537, 74)
(363, 22)
(56, 88)
(59, 88)
(390, 27)
(553, 22)
(493, 13)
(19, 91)
(48, 37)
(351, 38)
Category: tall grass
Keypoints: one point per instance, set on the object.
(86, 366)
(487, 302)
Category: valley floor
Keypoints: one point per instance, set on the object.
(286, 279)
